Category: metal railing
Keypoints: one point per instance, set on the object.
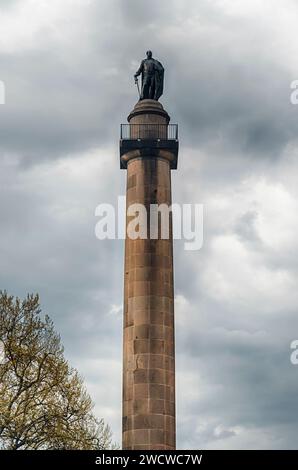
(149, 132)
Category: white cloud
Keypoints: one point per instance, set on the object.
(239, 277)
(30, 24)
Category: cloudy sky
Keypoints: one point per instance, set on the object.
(67, 69)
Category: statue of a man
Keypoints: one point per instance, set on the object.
(152, 78)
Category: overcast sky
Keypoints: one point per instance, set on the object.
(67, 68)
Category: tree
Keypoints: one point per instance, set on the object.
(43, 403)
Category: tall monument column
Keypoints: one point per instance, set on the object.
(148, 150)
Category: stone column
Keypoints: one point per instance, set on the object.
(148, 341)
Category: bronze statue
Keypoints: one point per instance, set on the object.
(152, 78)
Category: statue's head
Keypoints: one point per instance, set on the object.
(149, 54)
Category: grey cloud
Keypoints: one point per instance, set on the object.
(66, 99)
(246, 228)
(63, 98)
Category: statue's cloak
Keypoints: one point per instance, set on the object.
(159, 80)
